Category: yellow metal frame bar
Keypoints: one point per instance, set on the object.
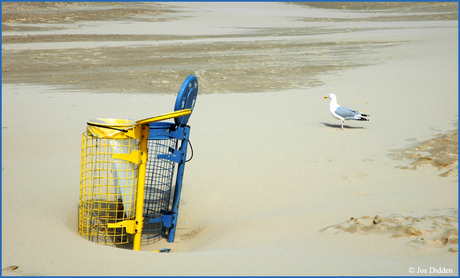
(175, 114)
(136, 156)
(139, 157)
(135, 132)
(130, 226)
(139, 218)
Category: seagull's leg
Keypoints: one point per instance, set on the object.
(342, 125)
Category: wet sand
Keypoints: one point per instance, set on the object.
(108, 59)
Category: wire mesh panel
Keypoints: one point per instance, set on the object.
(167, 145)
(158, 186)
(107, 189)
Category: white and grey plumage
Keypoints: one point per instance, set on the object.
(342, 113)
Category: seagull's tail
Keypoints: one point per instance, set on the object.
(363, 119)
(364, 115)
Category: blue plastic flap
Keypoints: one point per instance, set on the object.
(186, 99)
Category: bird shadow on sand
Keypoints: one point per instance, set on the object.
(344, 126)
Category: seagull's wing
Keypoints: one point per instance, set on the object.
(347, 113)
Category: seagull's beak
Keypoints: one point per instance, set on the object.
(325, 97)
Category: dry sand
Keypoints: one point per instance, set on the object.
(274, 187)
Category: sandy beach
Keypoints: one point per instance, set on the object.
(274, 186)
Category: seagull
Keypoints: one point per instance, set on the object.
(342, 113)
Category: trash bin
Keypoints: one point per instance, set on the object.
(126, 163)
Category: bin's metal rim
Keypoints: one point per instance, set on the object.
(101, 121)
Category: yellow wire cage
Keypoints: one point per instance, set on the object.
(108, 183)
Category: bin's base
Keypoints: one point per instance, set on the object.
(95, 217)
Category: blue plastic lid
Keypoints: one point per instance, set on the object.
(186, 99)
